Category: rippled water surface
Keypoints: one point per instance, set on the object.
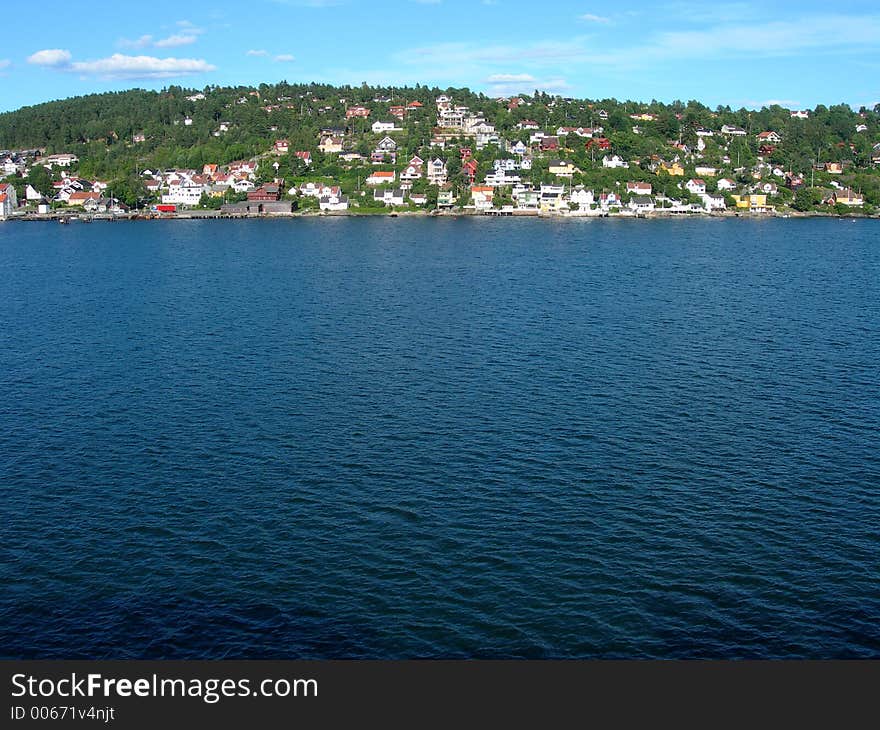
(440, 438)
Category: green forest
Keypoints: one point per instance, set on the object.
(102, 129)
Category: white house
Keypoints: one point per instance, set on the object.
(62, 160)
(386, 144)
(696, 185)
(437, 172)
(614, 161)
(797, 114)
(639, 188)
(506, 164)
(333, 202)
(390, 196)
(733, 131)
(526, 198)
(641, 203)
(712, 201)
(316, 190)
(582, 197)
(725, 183)
(502, 178)
(609, 200)
(451, 119)
(184, 193)
(482, 196)
(414, 170)
(382, 127)
(771, 137)
(705, 171)
(484, 139)
(381, 177)
(242, 186)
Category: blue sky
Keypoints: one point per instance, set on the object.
(738, 53)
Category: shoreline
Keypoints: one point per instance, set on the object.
(69, 217)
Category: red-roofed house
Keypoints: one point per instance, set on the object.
(8, 200)
(602, 143)
(696, 185)
(268, 192)
(381, 177)
(414, 170)
(81, 197)
(357, 111)
(470, 169)
(639, 188)
(482, 196)
(772, 137)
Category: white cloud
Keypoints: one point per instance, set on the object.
(285, 57)
(119, 66)
(259, 52)
(187, 35)
(786, 103)
(769, 39)
(53, 57)
(825, 34)
(502, 78)
(552, 85)
(189, 28)
(5, 63)
(142, 42)
(173, 41)
(590, 18)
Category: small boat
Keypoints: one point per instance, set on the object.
(64, 220)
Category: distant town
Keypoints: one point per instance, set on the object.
(311, 150)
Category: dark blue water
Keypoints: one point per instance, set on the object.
(440, 438)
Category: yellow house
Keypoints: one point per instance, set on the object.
(755, 203)
(331, 145)
(562, 168)
(848, 197)
(675, 169)
(552, 200)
